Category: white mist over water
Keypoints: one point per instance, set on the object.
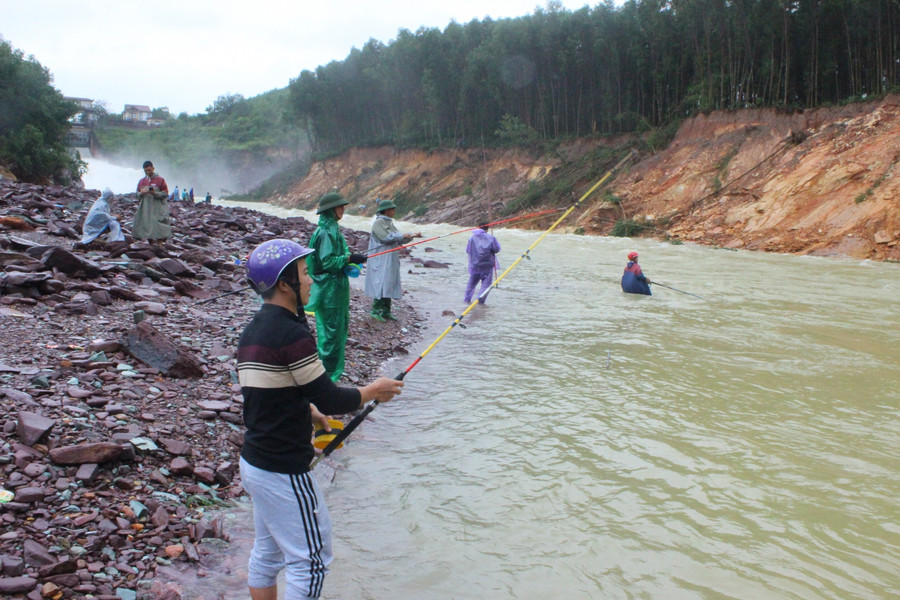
(102, 174)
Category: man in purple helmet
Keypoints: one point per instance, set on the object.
(285, 386)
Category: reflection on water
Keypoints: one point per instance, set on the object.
(576, 442)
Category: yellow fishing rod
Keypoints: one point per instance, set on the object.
(346, 431)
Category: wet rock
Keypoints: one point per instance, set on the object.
(31, 495)
(87, 472)
(13, 566)
(36, 555)
(205, 474)
(63, 566)
(214, 405)
(177, 447)
(100, 452)
(68, 263)
(16, 585)
(180, 466)
(151, 347)
(33, 428)
(20, 398)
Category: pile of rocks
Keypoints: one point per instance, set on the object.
(119, 403)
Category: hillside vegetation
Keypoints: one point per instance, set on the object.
(33, 122)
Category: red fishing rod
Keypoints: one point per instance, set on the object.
(437, 237)
(344, 433)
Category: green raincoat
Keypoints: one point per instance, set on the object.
(330, 294)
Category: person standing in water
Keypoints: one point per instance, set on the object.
(330, 296)
(633, 279)
(151, 221)
(281, 376)
(383, 272)
(482, 249)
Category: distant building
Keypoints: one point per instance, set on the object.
(153, 122)
(86, 116)
(136, 112)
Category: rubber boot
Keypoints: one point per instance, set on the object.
(377, 310)
(386, 309)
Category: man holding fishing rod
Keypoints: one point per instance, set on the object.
(383, 271)
(633, 279)
(284, 384)
(330, 296)
(482, 249)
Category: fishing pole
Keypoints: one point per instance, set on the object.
(344, 433)
(675, 289)
(243, 289)
(437, 237)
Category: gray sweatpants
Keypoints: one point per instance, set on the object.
(293, 532)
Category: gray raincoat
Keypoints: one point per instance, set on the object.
(99, 219)
(383, 272)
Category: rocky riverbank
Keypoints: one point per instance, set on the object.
(119, 403)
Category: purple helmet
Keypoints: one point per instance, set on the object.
(269, 260)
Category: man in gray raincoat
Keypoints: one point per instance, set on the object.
(383, 272)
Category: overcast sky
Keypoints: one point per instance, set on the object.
(185, 53)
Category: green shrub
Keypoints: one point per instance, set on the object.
(626, 228)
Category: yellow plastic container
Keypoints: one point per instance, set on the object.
(322, 438)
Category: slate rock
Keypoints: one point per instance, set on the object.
(16, 585)
(99, 452)
(69, 263)
(153, 348)
(18, 397)
(87, 472)
(31, 494)
(36, 555)
(33, 427)
(176, 447)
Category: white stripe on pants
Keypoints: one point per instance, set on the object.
(293, 531)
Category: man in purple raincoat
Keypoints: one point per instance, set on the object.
(482, 249)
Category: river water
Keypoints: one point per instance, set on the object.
(577, 442)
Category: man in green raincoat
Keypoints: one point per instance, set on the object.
(330, 295)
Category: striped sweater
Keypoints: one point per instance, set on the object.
(280, 375)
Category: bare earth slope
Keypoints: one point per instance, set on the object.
(819, 181)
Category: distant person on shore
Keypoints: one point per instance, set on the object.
(184, 195)
(281, 377)
(151, 221)
(191, 194)
(100, 219)
(482, 250)
(633, 279)
(208, 198)
(383, 272)
(330, 296)
(176, 195)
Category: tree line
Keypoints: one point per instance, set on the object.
(34, 121)
(598, 70)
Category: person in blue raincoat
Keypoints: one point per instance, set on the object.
(383, 272)
(330, 295)
(633, 279)
(100, 219)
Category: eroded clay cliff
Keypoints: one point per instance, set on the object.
(819, 181)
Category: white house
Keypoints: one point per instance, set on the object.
(136, 112)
